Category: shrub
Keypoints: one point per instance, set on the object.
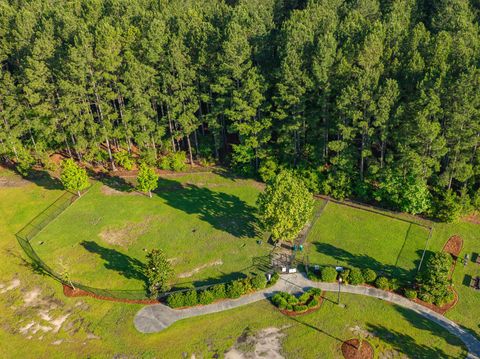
(274, 279)
(426, 297)
(369, 275)
(173, 161)
(299, 308)
(410, 293)
(315, 292)
(235, 289)
(124, 159)
(382, 283)
(289, 307)
(190, 298)
(205, 297)
(282, 304)
(313, 303)
(218, 291)
(259, 281)
(394, 284)
(291, 299)
(313, 276)
(355, 277)
(345, 274)
(176, 300)
(434, 279)
(329, 274)
(304, 297)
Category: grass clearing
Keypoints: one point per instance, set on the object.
(349, 236)
(197, 219)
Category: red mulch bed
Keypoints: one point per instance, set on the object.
(291, 313)
(351, 349)
(444, 308)
(454, 246)
(473, 218)
(70, 292)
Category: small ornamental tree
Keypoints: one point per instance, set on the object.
(434, 280)
(285, 206)
(73, 177)
(158, 272)
(147, 179)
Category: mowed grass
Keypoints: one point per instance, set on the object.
(354, 237)
(102, 329)
(204, 222)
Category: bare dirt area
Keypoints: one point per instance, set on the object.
(109, 191)
(218, 262)
(454, 246)
(357, 349)
(264, 344)
(11, 181)
(128, 233)
(473, 218)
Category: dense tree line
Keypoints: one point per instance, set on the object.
(377, 99)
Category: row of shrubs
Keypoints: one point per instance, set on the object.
(231, 290)
(287, 301)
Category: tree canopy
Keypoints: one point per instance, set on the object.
(363, 97)
(158, 271)
(73, 177)
(147, 179)
(285, 206)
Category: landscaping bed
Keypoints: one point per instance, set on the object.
(357, 349)
(292, 305)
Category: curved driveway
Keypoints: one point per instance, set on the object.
(154, 318)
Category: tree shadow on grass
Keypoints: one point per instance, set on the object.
(125, 265)
(115, 182)
(43, 178)
(365, 261)
(406, 344)
(223, 211)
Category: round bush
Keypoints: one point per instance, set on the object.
(382, 283)
(218, 291)
(315, 292)
(205, 297)
(190, 298)
(329, 274)
(304, 297)
(282, 304)
(345, 274)
(369, 275)
(394, 284)
(426, 297)
(235, 289)
(313, 303)
(355, 277)
(291, 299)
(176, 300)
(289, 307)
(274, 279)
(410, 293)
(259, 281)
(299, 308)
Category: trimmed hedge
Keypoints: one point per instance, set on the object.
(382, 283)
(369, 275)
(356, 277)
(329, 274)
(410, 293)
(287, 301)
(232, 290)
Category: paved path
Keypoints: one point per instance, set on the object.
(154, 318)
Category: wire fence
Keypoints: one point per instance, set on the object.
(37, 224)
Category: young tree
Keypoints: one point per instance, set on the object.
(285, 206)
(73, 177)
(434, 280)
(158, 272)
(147, 179)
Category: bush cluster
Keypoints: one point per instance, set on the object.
(287, 301)
(410, 293)
(232, 290)
(175, 161)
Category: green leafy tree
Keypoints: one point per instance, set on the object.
(434, 280)
(158, 272)
(285, 206)
(73, 177)
(147, 179)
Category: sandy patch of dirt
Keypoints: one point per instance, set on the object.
(127, 233)
(472, 218)
(264, 344)
(109, 191)
(12, 181)
(15, 283)
(218, 262)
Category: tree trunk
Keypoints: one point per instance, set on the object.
(189, 150)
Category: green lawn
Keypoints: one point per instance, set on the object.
(204, 222)
(100, 329)
(353, 237)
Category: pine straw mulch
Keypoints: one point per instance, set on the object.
(351, 349)
(454, 246)
(70, 292)
(473, 218)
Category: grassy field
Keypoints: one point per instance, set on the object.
(352, 237)
(37, 321)
(204, 222)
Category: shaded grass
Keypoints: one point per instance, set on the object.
(195, 225)
(352, 237)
